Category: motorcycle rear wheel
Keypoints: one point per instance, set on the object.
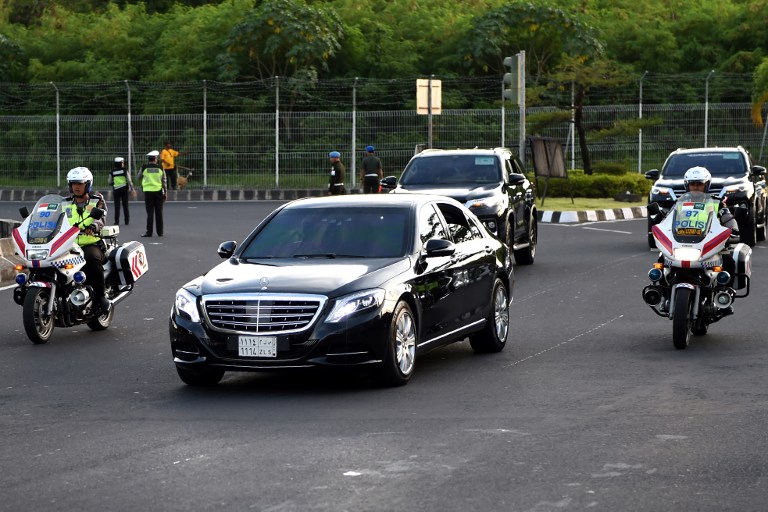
(37, 323)
(681, 319)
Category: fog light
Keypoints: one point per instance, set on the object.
(654, 274)
(723, 277)
(79, 277)
(491, 225)
(21, 279)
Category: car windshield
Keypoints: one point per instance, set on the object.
(333, 232)
(719, 164)
(452, 170)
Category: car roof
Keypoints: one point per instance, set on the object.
(728, 149)
(410, 200)
(462, 151)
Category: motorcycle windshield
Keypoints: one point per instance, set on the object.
(693, 216)
(46, 219)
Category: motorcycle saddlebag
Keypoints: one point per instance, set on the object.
(739, 263)
(130, 260)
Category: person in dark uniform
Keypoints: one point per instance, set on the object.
(336, 181)
(122, 187)
(155, 186)
(371, 172)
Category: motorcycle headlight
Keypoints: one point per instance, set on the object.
(355, 303)
(687, 254)
(186, 305)
(37, 254)
(485, 202)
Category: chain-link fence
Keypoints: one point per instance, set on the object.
(240, 143)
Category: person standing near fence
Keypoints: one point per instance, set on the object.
(371, 172)
(336, 181)
(167, 159)
(154, 184)
(122, 187)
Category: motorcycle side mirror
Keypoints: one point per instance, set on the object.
(653, 209)
(97, 213)
(24, 212)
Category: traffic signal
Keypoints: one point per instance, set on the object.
(512, 80)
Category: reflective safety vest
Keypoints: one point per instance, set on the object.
(76, 217)
(118, 178)
(152, 179)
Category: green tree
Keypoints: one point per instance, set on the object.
(584, 75)
(546, 34)
(282, 38)
(13, 61)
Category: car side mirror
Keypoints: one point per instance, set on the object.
(516, 179)
(24, 212)
(227, 249)
(389, 182)
(439, 247)
(758, 170)
(653, 174)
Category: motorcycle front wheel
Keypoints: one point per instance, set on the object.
(38, 324)
(681, 318)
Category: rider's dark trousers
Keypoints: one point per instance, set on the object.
(94, 268)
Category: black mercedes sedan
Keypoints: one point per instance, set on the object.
(367, 281)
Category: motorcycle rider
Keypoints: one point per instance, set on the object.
(698, 179)
(83, 200)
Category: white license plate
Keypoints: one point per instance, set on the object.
(257, 346)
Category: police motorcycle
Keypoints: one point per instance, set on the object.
(701, 268)
(52, 288)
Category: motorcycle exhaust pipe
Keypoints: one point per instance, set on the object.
(723, 300)
(79, 297)
(652, 296)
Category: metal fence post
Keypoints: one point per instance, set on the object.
(640, 130)
(58, 138)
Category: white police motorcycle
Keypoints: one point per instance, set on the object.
(52, 288)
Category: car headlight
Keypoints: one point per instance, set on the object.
(660, 191)
(355, 303)
(732, 189)
(186, 305)
(37, 254)
(687, 254)
(486, 202)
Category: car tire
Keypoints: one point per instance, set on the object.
(402, 340)
(526, 255)
(200, 377)
(493, 337)
(763, 227)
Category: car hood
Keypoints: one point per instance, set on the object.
(313, 276)
(717, 183)
(457, 192)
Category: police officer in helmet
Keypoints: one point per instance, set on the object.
(80, 213)
(698, 179)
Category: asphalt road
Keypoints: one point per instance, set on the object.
(589, 407)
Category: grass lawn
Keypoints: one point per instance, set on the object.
(564, 204)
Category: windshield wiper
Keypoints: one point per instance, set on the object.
(327, 255)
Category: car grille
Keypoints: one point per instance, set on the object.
(262, 314)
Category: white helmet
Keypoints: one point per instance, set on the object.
(80, 175)
(154, 153)
(697, 175)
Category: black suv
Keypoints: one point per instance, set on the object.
(733, 174)
(490, 182)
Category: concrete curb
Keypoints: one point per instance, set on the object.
(635, 212)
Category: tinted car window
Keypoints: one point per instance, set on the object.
(327, 232)
(451, 169)
(462, 230)
(718, 164)
(430, 225)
